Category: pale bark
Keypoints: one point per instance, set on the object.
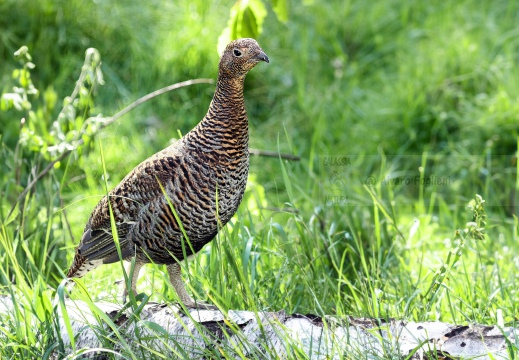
(275, 335)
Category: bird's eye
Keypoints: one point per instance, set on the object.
(237, 52)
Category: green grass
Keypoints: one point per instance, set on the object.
(403, 90)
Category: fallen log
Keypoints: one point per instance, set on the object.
(165, 331)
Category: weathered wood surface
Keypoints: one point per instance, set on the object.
(276, 335)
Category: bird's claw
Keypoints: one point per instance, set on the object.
(196, 305)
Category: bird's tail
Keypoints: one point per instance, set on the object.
(80, 266)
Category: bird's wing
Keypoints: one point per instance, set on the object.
(140, 187)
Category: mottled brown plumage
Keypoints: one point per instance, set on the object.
(206, 167)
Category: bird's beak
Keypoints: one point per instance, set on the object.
(261, 56)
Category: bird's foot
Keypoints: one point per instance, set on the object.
(124, 294)
(199, 305)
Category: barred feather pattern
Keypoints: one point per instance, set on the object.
(201, 177)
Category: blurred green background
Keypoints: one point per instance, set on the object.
(399, 88)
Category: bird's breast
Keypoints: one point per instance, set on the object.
(229, 176)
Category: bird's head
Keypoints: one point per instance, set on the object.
(240, 56)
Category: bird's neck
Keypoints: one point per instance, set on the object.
(228, 105)
(226, 124)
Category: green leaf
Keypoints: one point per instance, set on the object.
(13, 215)
(259, 13)
(51, 98)
(12, 99)
(280, 7)
(153, 327)
(64, 314)
(245, 20)
(249, 26)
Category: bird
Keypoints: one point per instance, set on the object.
(173, 203)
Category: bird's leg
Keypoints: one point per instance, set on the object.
(133, 280)
(175, 276)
